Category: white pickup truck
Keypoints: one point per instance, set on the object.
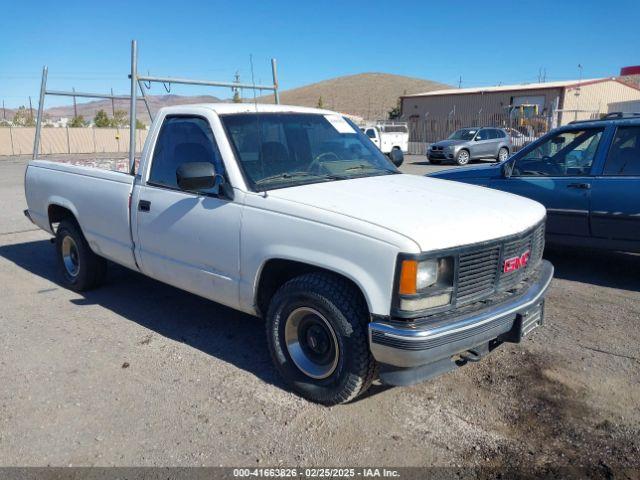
(389, 137)
(292, 214)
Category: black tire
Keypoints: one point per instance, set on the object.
(90, 270)
(343, 308)
(463, 157)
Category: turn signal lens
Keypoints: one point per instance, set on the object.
(408, 277)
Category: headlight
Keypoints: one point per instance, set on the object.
(425, 284)
(427, 274)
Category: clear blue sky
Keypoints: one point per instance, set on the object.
(86, 43)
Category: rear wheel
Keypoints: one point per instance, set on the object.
(317, 336)
(462, 158)
(503, 154)
(81, 268)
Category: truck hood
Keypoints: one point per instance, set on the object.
(434, 213)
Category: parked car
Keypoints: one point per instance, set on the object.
(587, 175)
(520, 139)
(293, 215)
(389, 137)
(469, 144)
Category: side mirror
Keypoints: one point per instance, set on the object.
(507, 169)
(196, 176)
(396, 156)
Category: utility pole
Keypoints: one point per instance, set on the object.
(75, 106)
(460, 82)
(236, 90)
(577, 94)
(4, 112)
(30, 107)
(113, 105)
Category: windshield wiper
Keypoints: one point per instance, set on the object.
(368, 167)
(286, 175)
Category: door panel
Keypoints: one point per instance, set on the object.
(190, 241)
(187, 239)
(481, 146)
(558, 174)
(615, 208)
(615, 205)
(567, 204)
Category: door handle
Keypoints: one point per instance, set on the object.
(582, 186)
(144, 205)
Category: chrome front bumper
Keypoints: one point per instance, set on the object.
(437, 341)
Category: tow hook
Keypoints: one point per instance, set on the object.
(471, 356)
(468, 356)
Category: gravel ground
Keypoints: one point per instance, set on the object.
(139, 373)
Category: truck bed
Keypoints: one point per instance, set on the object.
(97, 197)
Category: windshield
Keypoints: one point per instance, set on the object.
(277, 150)
(463, 134)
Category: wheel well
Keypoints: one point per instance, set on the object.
(57, 213)
(277, 272)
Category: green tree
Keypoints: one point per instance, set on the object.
(236, 96)
(101, 120)
(140, 125)
(320, 102)
(23, 117)
(120, 119)
(77, 122)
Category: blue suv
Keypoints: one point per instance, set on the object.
(587, 175)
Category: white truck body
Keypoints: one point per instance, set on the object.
(217, 246)
(389, 136)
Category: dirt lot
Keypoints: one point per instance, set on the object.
(139, 373)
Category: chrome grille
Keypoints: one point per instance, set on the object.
(477, 272)
(480, 270)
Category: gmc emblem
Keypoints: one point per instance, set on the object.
(516, 263)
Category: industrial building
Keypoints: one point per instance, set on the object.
(558, 102)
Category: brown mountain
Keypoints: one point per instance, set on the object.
(367, 95)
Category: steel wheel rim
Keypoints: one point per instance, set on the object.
(463, 157)
(311, 342)
(70, 256)
(503, 155)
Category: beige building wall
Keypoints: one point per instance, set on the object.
(595, 99)
(473, 104)
(19, 140)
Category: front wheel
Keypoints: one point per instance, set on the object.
(317, 336)
(463, 157)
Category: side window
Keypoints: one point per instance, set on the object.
(500, 134)
(181, 140)
(371, 133)
(482, 134)
(568, 153)
(624, 154)
(493, 134)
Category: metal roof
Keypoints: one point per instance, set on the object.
(506, 88)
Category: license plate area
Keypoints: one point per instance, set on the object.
(526, 322)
